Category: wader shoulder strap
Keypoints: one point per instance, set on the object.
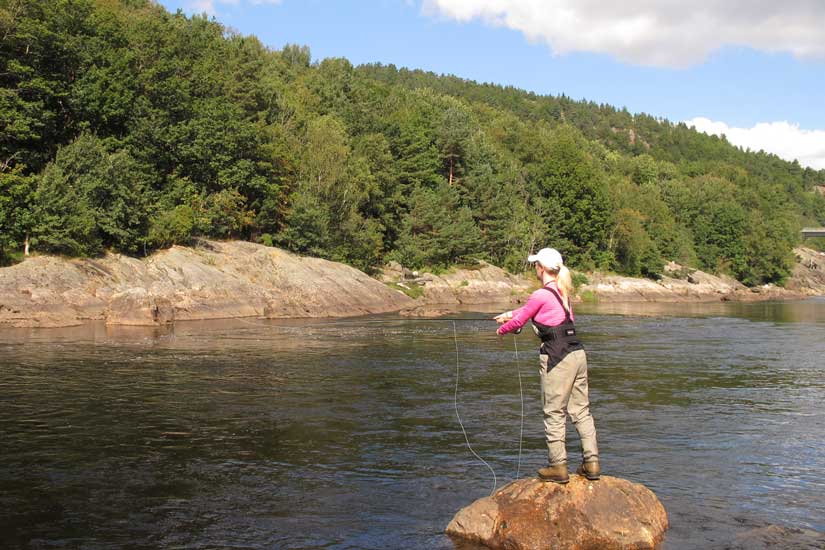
(559, 340)
(567, 318)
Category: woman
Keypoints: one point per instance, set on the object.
(563, 365)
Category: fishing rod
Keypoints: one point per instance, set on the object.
(398, 319)
(405, 319)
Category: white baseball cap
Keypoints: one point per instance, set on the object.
(550, 258)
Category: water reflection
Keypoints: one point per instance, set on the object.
(792, 311)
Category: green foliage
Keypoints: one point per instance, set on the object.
(39, 56)
(172, 227)
(717, 221)
(579, 279)
(222, 214)
(65, 221)
(574, 200)
(129, 128)
(636, 253)
(308, 225)
(16, 195)
(89, 199)
(437, 231)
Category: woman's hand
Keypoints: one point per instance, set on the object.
(504, 317)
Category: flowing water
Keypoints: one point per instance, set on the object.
(256, 434)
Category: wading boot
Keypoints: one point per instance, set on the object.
(590, 470)
(556, 473)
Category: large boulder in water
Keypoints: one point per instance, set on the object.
(582, 515)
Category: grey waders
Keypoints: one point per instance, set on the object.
(564, 391)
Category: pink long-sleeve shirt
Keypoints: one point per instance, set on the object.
(541, 306)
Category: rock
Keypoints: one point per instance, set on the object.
(424, 311)
(698, 286)
(809, 273)
(611, 513)
(672, 267)
(137, 307)
(679, 284)
(394, 272)
(212, 281)
(480, 284)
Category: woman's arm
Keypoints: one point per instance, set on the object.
(522, 314)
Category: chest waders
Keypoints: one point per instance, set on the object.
(557, 341)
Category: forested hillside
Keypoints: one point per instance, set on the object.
(128, 128)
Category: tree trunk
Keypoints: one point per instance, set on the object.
(451, 171)
(26, 245)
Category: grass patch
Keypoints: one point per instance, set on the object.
(589, 297)
(9, 258)
(470, 265)
(412, 290)
(434, 269)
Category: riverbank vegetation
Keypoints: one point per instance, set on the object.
(129, 128)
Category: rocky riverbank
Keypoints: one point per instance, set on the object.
(217, 280)
(211, 281)
(486, 283)
(680, 284)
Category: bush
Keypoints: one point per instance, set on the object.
(172, 227)
(579, 279)
(89, 199)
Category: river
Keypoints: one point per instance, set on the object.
(301, 434)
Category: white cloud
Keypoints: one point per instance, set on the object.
(784, 139)
(209, 6)
(667, 33)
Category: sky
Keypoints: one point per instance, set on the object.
(753, 70)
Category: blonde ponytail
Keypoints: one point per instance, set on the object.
(564, 280)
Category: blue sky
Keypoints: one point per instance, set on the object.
(754, 72)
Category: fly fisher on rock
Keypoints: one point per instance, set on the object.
(563, 365)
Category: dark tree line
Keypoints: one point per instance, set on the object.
(128, 128)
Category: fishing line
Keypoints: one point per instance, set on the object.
(521, 394)
(458, 416)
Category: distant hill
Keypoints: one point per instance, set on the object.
(129, 128)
